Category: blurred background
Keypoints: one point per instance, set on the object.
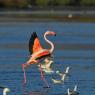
(73, 22)
(80, 10)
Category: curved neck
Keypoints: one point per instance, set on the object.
(4, 92)
(68, 91)
(75, 88)
(49, 42)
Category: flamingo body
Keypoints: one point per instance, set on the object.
(39, 56)
(37, 52)
(5, 90)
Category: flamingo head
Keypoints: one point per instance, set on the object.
(5, 89)
(50, 33)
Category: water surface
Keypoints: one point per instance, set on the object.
(74, 47)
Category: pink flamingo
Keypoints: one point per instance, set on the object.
(37, 53)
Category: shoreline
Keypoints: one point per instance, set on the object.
(48, 19)
(30, 16)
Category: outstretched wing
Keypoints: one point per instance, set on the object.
(34, 43)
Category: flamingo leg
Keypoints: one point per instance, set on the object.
(42, 76)
(23, 68)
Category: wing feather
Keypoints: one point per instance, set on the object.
(34, 43)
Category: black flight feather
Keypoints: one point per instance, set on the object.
(31, 42)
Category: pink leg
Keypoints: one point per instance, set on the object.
(42, 76)
(24, 73)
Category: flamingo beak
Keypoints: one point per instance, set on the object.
(54, 33)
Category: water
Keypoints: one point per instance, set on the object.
(74, 47)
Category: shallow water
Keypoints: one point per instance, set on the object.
(74, 47)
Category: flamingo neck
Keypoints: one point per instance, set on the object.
(49, 42)
(75, 88)
(68, 91)
(4, 92)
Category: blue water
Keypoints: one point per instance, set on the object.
(74, 47)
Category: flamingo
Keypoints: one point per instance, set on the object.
(37, 53)
(5, 90)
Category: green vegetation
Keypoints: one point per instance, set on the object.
(87, 2)
(14, 3)
(22, 3)
(44, 3)
(63, 2)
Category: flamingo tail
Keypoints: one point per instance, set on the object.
(43, 78)
(24, 73)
